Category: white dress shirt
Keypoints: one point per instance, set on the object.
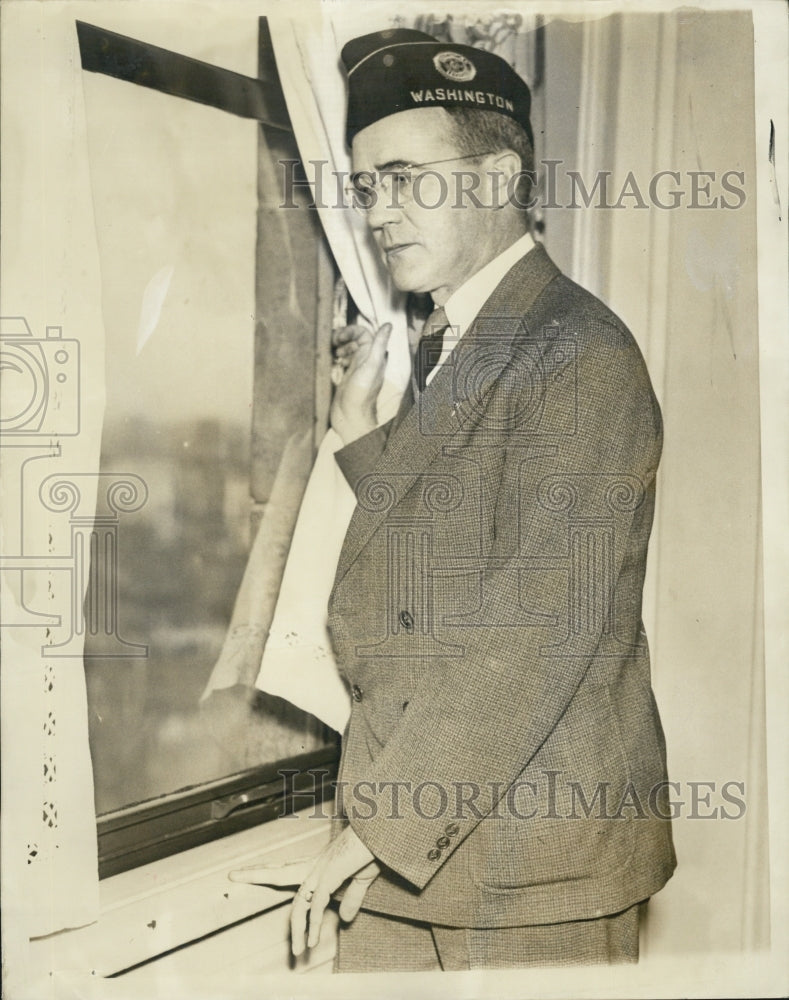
(465, 302)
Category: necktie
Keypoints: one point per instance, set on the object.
(428, 351)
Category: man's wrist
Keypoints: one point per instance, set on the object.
(355, 428)
(357, 848)
(359, 457)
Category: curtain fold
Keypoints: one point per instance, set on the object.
(50, 458)
(279, 632)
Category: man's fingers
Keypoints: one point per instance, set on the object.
(346, 350)
(347, 334)
(371, 358)
(352, 900)
(381, 337)
(279, 876)
(317, 909)
(298, 924)
(357, 889)
(345, 857)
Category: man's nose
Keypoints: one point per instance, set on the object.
(384, 210)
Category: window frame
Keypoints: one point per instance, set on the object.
(148, 831)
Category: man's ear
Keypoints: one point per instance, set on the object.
(503, 170)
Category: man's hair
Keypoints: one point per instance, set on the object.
(476, 131)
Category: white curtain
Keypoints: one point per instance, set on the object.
(297, 662)
(50, 454)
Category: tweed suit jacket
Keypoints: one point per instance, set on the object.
(504, 758)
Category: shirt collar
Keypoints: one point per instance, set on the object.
(465, 302)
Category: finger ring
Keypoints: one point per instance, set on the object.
(306, 894)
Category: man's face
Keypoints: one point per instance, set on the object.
(427, 249)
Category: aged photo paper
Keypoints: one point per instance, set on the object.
(182, 246)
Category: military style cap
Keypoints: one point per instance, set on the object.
(401, 69)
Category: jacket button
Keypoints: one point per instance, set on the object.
(356, 693)
(442, 842)
(407, 621)
(452, 829)
(433, 854)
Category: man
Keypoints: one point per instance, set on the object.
(502, 780)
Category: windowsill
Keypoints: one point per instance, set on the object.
(164, 905)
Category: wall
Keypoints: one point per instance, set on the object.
(654, 93)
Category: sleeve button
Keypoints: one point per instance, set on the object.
(442, 842)
(407, 621)
(433, 854)
(452, 829)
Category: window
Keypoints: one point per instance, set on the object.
(212, 298)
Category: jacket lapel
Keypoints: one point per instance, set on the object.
(420, 430)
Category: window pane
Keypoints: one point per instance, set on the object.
(174, 187)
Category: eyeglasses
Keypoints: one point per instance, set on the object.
(395, 185)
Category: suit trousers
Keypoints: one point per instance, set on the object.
(375, 942)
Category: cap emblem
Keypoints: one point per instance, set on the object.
(454, 66)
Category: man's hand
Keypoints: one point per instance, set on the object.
(358, 374)
(344, 858)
